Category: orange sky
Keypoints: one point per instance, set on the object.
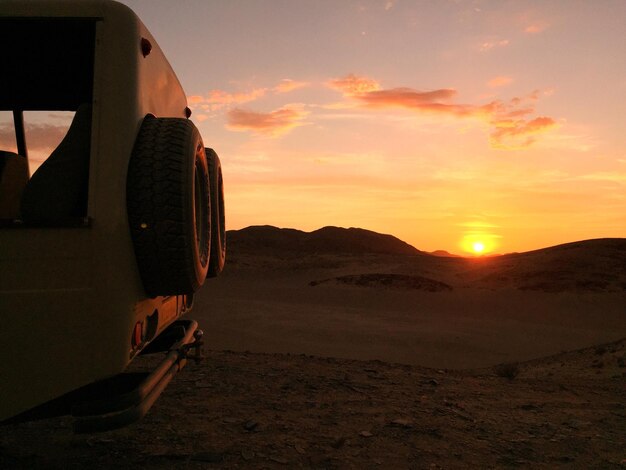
(443, 123)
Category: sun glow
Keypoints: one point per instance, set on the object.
(478, 247)
(479, 243)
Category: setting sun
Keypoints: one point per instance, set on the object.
(477, 241)
(478, 247)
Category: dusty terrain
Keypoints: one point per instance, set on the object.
(353, 295)
(345, 349)
(244, 410)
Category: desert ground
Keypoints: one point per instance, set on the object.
(412, 308)
(342, 349)
(273, 411)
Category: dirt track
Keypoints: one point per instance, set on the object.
(243, 410)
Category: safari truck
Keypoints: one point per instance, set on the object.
(103, 246)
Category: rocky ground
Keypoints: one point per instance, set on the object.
(244, 410)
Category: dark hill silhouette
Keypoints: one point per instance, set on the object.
(266, 239)
(589, 265)
(597, 265)
(443, 254)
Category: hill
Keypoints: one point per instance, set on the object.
(589, 265)
(266, 239)
(597, 265)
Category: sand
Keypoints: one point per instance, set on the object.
(266, 304)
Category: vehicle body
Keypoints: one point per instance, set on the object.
(73, 307)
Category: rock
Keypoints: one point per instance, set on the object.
(365, 434)
(299, 449)
(250, 426)
(247, 454)
(402, 423)
(279, 460)
(433, 382)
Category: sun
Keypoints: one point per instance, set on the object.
(478, 247)
(478, 244)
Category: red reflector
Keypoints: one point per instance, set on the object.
(137, 333)
(146, 47)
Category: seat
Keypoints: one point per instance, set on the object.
(57, 191)
(13, 179)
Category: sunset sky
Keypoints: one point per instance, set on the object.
(444, 123)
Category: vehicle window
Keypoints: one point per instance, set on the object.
(7, 133)
(44, 132)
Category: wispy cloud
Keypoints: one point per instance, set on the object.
(352, 84)
(607, 176)
(512, 121)
(493, 44)
(274, 123)
(499, 81)
(40, 137)
(518, 133)
(536, 28)
(286, 85)
(533, 21)
(477, 224)
(217, 99)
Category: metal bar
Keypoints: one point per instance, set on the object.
(124, 409)
(107, 422)
(20, 134)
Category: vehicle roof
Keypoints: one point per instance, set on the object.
(64, 8)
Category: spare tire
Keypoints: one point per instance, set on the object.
(168, 202)
(218, 219)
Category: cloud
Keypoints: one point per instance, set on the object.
(606, 176)
(39, 137)
(512, 124)
(499, 81)
(477, 224)
(286, 85)
(195, 99)
(493, 44)
(368, 93)
(408, 98)
(536, 28)
(512, 134)
(216, 99)
(352, 84)
(274, 123)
